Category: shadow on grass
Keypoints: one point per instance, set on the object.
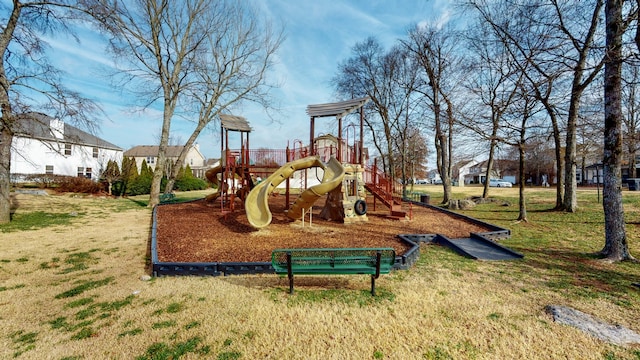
(584, 274)
(141, 203)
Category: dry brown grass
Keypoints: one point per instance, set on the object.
(445, 307)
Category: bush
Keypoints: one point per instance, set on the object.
(140, 186)
(190, 183)
(77, 184)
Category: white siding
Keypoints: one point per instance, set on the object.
(30, 156)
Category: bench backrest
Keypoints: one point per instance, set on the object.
(334, 260)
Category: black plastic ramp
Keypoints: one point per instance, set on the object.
(478, 247)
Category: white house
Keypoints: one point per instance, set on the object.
(461, 171)
(44, 145)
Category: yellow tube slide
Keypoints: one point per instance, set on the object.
(212, 176)
(256, 204)
(333, 175)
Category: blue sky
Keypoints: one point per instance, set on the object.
(319, 35)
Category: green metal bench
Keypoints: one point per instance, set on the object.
(329, 261)
(165, 198)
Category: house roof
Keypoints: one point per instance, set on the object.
(38, 126)
(338, 109)
(464, 163)
(152, 150)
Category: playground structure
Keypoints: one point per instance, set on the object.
(340, 171)
(236, 180)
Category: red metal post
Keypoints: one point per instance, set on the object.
(286, 192)
(361, 160)
(339, 140)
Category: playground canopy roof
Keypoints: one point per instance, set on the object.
(234, 123)
(338, 109)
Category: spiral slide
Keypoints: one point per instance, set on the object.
(257, 203)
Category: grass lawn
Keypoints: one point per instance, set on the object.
(70, 288)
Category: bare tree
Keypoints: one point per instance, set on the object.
(406, 128)
(156, 43)
(584, 67)
(495, 84)
(28, 82)
(233, 69)
(380, 75)
(522, 116)
(616, 247)
(196, 58)
(435, 49)
(561, 42)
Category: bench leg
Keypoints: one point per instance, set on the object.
(374, 277)
(289, 273)
(373, 285)
(291, 284)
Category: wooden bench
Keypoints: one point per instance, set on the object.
(340, 261)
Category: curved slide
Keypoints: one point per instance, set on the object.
(212, 176)
(257, 203)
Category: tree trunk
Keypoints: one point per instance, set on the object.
(8, 119)
(492, 147)
(161, 163)
(615, 248)
(6, 137)
(570, 165)
(522, 201)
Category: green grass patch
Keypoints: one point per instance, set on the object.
(172, 308)
(37, 220)
(6, 288)
(61, 323)
(20, 337)
(192, 325)
(163, 324)
(131, 332)
(23, 341)
(229, 355)
(164, 351)
(79, 302)
(85, 286)
(437, 353)
(79, 261)
(84, 333)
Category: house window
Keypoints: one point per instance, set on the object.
(150, 159)
(95, 152)
(87, 173)
(80, 171)
(67, 149)
(48, 169)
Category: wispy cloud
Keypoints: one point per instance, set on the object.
(319, 35)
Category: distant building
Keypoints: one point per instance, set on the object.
(45, 145)
(149, 153)
(461, 170)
